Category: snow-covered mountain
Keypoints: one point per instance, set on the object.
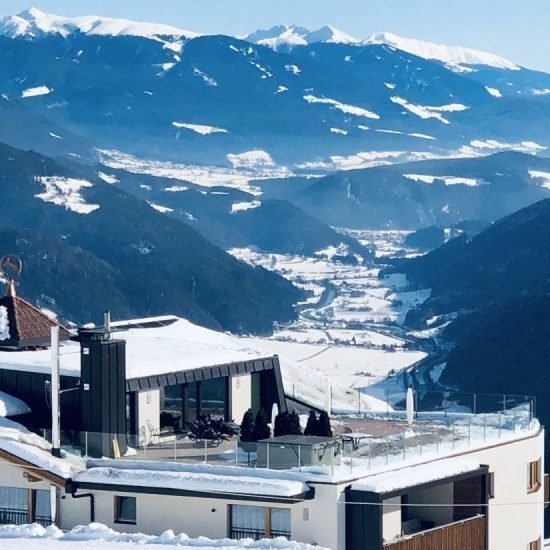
(293, 35)
(33, 23)
(447, 54)
(307, 101)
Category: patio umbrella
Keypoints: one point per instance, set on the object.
(410, 406)
(328, 399)
(274, 413)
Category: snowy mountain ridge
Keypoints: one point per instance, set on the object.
(33, 23)
(440, 52)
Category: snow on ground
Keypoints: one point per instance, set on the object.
(38, 90)
(242, 206)
(12, 406)
(248, 166)
(200, 128)
(100, 537)
(160, 208)
(108, 178)
(447, 180)
(544, 178)
(480, 147)
(65, 192)
(441, 52)
(425, 111)
(344, 107)
(494, 92)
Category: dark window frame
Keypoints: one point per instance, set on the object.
(118, 502)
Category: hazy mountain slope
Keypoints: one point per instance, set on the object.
(411, 195)
(161, 265)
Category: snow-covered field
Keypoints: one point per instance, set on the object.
(349, 328)
(99, 537)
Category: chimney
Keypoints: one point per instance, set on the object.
(102, 391)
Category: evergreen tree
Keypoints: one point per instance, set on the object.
(294, 427)
(281, 424)
(312, 424)
(261, 429)
(247, 427)
(324, 428)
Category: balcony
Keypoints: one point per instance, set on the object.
(469, 533)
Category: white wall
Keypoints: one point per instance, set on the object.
(516, 517)
(148, 411)
(12, 476)
(240, 387)
(391, 520)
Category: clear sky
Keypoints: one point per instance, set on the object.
(516, 29)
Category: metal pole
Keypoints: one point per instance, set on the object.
(205, 452)
(236, 451)
(332, 461)
(475, 403)
(56, 438)
(299, 458)
(484, 427)
(369, 454)
(437, 438)
(504, 402)
(404, 445)
(267, 448)
(175, 449)
(387, 449)
(453, 435)
(499, 424)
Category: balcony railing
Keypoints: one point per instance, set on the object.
(20, 517)
(469, 533)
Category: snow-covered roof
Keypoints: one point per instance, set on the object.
(34, 450)
(191, 477)
(11, 406)
(154, 346)
(416, 475)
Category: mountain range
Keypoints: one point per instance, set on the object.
(314, 104)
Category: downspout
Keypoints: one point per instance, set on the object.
(72, 489)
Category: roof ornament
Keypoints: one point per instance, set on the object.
(10, 268)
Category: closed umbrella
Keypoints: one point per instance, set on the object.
(410, 406)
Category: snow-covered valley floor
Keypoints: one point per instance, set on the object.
(350, 327)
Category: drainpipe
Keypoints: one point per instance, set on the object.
(70, 487)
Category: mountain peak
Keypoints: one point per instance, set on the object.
(33, 22)
(294, 35)
(453, 55)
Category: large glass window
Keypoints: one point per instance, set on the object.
(257, 522)
(15, 509)
(171, 407)
(213, 397)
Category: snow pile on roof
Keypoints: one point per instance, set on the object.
(416, 475)
(18, 441)
(66, 192)
(213, 480)
(33, 22)
(52, 538)
(11, 406)
(4, 324)
(440, 52)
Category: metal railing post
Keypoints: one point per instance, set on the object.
(205, 452)
(387, 449)
(236, 451)
(175, 449)
(484, 427)
(267, 451)
(299, 458)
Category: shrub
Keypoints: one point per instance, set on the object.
(247, 427)
(312, 424)
(324, 428)
(261, 428)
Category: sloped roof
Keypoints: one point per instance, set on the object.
(26, 326)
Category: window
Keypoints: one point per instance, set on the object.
(125, 510)
(534, 480)
(491, 487)
(535, 545)
(257, 522)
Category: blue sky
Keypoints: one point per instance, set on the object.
(517, 29)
